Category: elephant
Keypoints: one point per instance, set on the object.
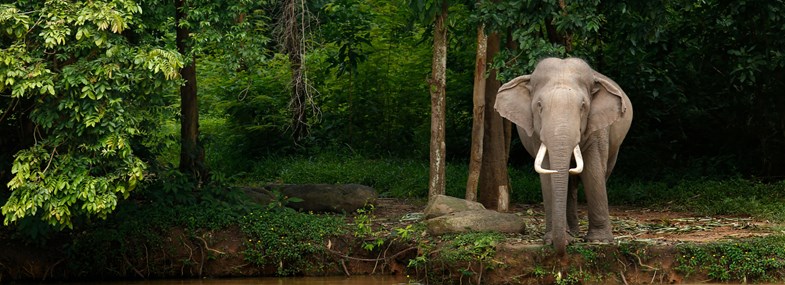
(565, 113)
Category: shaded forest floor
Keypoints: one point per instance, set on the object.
(655, 226)
(652, 246)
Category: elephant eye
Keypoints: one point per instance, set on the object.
(539, 106)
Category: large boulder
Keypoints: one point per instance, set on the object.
(318, 197)
(441, 205)
(476, 221)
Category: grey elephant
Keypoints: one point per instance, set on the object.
(566, 112)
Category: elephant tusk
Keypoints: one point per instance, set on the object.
(538, 161)
(578, 161)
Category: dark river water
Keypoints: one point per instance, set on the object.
(338, 280)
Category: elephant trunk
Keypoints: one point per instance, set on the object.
(560, 135)
(559, 159)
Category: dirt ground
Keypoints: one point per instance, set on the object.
(220, 253)
(656, 234)
(661, 227)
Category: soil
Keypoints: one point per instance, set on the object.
(219, 253)
(662, 227)
(645, 250)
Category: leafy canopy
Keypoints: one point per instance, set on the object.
(91, 91)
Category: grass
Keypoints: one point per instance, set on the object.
(408, 178)
(733, 196)
(392, 177)
(760, 259)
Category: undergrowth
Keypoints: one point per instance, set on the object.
(288, 240)
(392, 177)
(734, 196)
(754, 260)
(408, 178)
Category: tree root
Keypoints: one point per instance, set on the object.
(385, 258)
(210, 249)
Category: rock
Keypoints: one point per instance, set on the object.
(258, 195)
(441, 205)
(318, 197)
(475, 221)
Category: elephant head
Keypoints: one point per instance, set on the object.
(558, 107)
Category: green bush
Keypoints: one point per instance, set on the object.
(287, 239)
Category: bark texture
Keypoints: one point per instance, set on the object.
(478, 115)
(191, 151)
(436, 185)
(494, 182)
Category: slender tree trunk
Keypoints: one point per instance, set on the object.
(494, 183)
(478, 115)
(191, 151)
(436, 185)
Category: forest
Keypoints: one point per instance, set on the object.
(111, 105)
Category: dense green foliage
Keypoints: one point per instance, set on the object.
(761, 259)
(702, 77)
(287, 240)
(80, 101)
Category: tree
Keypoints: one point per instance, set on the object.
(436, 184)
(494, 188)
(91, 88)
(211, 28)
(478, 115)
(491, 134)
(191, 151)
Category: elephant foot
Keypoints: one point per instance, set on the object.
(548, 238)
(574, 231)
(598, 237)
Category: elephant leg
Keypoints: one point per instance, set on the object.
(572, 206)
(593, 177)
(612, 156)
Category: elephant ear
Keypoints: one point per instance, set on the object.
(514, 102)
(607, 104)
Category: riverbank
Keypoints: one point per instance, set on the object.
(658, 246)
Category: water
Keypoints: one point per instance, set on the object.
(332, 280)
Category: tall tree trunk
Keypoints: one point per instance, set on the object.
(436, 185)
(494, 183)
(478, 115)
(191, 151)
(293, 31)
